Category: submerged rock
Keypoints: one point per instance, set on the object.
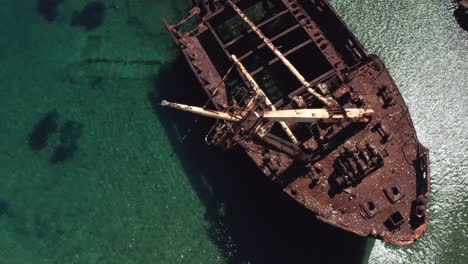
(90, 17)
(69, 136)
(48, 9)
(4, 207)
(42, 130)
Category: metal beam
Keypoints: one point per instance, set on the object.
(314, 32)
(262, 94)
(290, 115)
(213, 32)
(202, 111)
(241, 58)
(241, 36)
(312, 115)
(324, 100)
(289, 52)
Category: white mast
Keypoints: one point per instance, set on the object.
(281, 57)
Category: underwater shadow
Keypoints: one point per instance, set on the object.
(42, 130)
(91, 17)
(4, 207)
(462, 17)
(251, 219)
(48, 9)
(70, 134)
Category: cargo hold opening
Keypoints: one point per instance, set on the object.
(232, 34)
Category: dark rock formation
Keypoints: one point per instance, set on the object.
(42, 130)
(69, 136)
(90, 17)
(4, 207)
(48, 9)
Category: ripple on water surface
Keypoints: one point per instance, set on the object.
(86, 165)
(427, 54)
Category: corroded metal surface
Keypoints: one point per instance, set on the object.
(370, 177)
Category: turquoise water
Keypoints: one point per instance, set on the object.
(108, 180)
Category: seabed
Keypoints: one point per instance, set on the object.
(87, 170)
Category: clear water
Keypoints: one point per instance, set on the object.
(120, 194)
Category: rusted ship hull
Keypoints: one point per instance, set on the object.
(368, 175)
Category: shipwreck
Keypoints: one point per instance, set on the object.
(289, 83)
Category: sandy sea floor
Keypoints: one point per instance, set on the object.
(107, 187)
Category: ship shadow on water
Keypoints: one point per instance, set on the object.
(251, 220)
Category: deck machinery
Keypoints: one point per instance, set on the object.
(289, 83)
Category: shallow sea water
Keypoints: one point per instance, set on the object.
(119, 186)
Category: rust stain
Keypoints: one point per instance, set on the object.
(369, 177)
